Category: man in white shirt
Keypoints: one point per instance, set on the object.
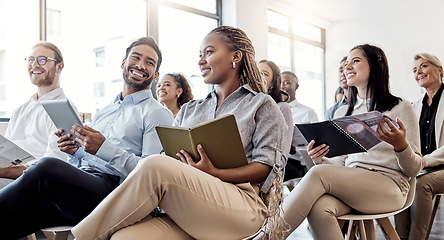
(301, 114)
(30, 127)
(60, 193)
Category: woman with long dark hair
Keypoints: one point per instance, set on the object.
(271, 74)
(370, 182)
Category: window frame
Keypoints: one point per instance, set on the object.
(290, 34)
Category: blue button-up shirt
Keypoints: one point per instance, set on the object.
(129, 128)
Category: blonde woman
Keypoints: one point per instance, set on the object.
(413, 223)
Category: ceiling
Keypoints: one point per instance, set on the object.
(340, 10)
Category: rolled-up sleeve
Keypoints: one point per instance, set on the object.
(268, 139)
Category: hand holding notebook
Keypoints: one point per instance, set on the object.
(346, 135)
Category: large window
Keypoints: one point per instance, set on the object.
(93, 40)
(19, 30)
(299, 47)
(180, 47)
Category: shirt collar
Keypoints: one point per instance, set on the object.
(135, 98)
(435, 98)
(360, 101)
(294, 103)
(245, 86)
(54, 94)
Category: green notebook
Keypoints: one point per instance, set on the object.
(219, 138)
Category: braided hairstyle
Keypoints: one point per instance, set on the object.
(237, 39)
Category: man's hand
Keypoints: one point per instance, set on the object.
(66, 144)
(90, 140)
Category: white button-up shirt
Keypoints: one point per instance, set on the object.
(302, 113)
(31, 128)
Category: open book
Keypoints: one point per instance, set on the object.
(345, 135)
(11, 154)
(219, 138)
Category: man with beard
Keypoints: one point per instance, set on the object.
(55, 193)
(30, 127)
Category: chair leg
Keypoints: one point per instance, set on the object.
(370, 229)
(49, 235)
(387, 228)
(62, 235)
(432, 218)
(351, 230)
(32, 237)
(361, 230)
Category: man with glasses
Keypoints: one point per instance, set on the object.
(30, 127)
(55, 193)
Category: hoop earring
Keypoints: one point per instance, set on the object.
(234, 65)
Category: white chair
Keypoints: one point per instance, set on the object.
(54, 233)
(365, 224)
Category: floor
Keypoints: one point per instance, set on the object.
(303, 233)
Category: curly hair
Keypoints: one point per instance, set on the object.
(237, 39)
(182, 82)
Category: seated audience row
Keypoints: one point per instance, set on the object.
(114, 177)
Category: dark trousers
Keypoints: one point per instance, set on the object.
(50, 193)
(294, 169)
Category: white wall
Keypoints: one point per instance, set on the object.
(250, 16)
(401, 31)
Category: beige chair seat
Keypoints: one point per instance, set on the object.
(365, 225)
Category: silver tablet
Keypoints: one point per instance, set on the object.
(309, 163)
(62, 114)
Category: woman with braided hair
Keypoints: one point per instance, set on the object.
(201, 201)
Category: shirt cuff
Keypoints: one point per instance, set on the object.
(107, 151)
(79, 154)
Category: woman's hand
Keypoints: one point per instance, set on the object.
(318, 152)
(394, 136)
(204, 164)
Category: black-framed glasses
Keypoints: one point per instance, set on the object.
(40, 60)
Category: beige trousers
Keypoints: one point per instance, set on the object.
(327, 192)
(413, 223)
(198, 205)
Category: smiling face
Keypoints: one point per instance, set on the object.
(266, 73)
(357, 70)
(167, 89)
(289, 85)
(43, 75)
(427, 75)
(139, 68)
(215, 59)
